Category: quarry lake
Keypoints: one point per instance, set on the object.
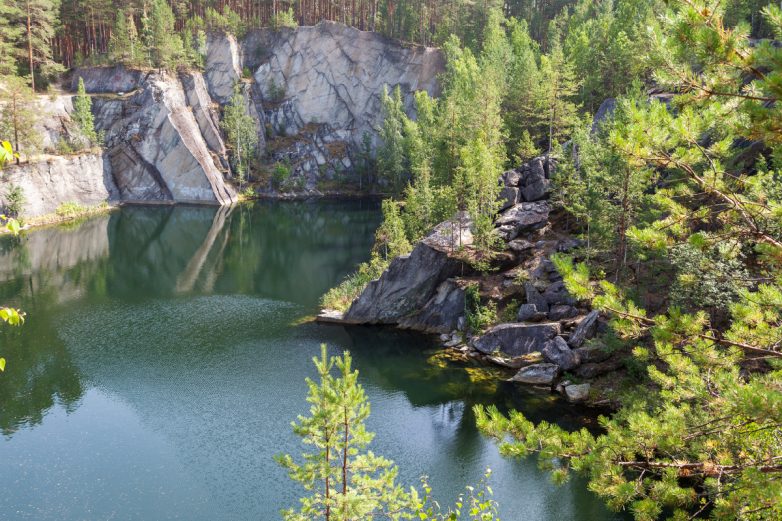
(164, 356)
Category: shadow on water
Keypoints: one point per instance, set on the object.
(160, 367)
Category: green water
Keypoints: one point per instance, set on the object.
(164, 356)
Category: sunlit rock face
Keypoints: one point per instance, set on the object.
(83, 179)
(317, 90)
(162, 142)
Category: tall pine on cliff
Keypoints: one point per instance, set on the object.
(704, 438)
(82, 114)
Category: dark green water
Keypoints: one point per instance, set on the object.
(161, 363)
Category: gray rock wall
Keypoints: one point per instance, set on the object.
(83, 179)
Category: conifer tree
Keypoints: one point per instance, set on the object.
(121, 46)
(82, 114)
(11, 31)
(19, 115)
(39, 18)
(346, 481)
(390, 155)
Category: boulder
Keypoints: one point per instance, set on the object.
(516, 339)
(528, 312)
(509, 196)
(411, 281)
(557, 352)
(562, 311)
(511, 178)
(577, 392)
(534, 184)
(537, 374)
(585, 330)
(557, 294)
(520, 245)
(522, 217)
(533, 296)
(441, 313)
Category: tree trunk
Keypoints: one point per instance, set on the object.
(30, 46)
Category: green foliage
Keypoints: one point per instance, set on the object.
(284, 19)
(702, 436)
(165, 46)
(280, 174)
(19, 114)
(241, 134)
(340, 297)
(479, 316)
(344, 480)
(82, 114)
(70, 210)
(390, 238)
(14, 200)
(390, 155)
(10, 316)
(275, 92)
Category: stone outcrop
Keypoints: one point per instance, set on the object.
(408, 291)
(46, 184)
(321, 88)
(516, 339)
(154, 139)
(313, 91)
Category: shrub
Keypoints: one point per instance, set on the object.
(276, 92)
(14, 200)
(280, 174)
(70, 210)
(340, 297)
(284, 19)
(479, 316)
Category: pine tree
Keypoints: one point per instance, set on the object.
(39, 18)
(390, 156)
(82, 114)
(120, 45)
(165, 43)
(346, 481)
(19, 115)
(558, 113)
(11, 32)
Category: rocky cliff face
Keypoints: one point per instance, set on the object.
(83, 179)
(161, 140)
(315, 91)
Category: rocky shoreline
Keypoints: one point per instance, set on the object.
(545, 335)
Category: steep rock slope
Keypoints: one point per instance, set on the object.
(162, 143)
(46, 184)
(315, 91)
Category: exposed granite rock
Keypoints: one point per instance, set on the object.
(577, 392)
(585, 330)
(509, 196)
(516, 339)
(594, 369)
(441, 313)
(155, 144)
(107, 80)
(534, 181)
(537, 374)
(83, 179)
(522, 217)
(592, 354)
(562, 311)
(330, 75)
(557, 352)
(411, 281)
(222, 65)
(529, 313)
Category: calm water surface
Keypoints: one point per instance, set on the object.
(164, 356)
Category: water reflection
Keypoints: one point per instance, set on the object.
(160, 367)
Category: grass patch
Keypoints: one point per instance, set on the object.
(67, 212)
(340, 297)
